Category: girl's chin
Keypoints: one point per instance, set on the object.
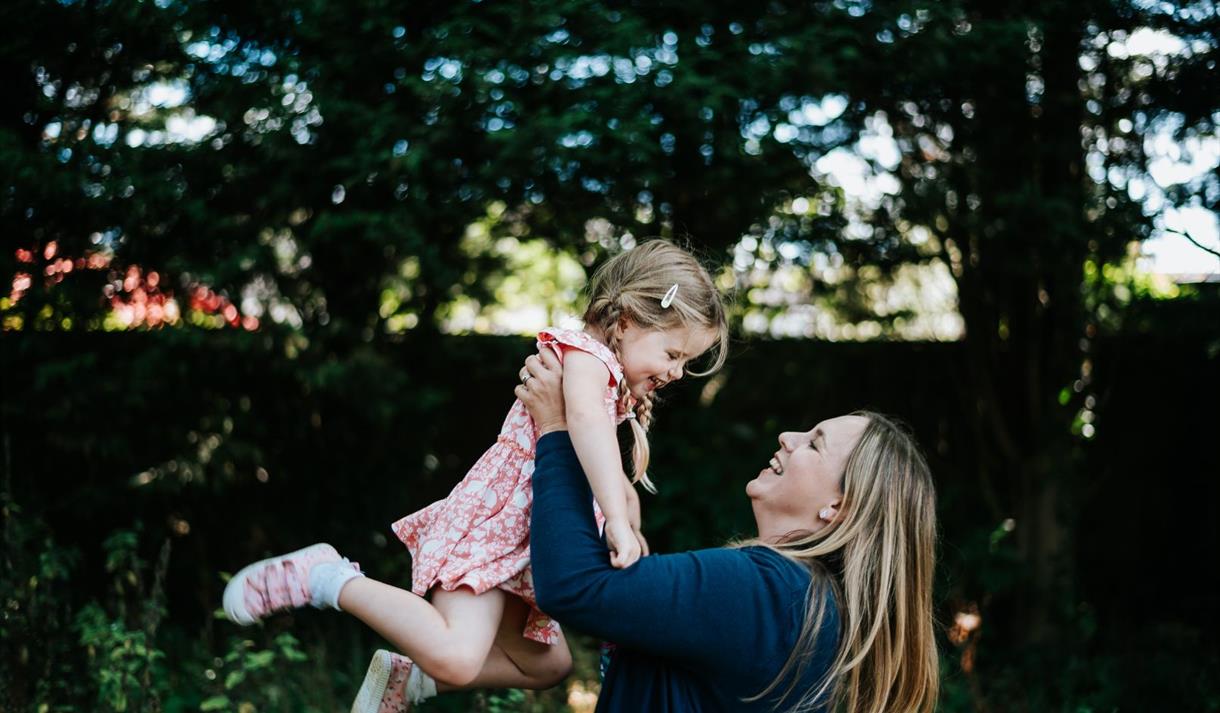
(639, 391)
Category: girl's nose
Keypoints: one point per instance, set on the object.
(785, 440)
(675, 373)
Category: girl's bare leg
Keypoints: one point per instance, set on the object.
(534, 670)
(518, 662)
(450, 637)
(422, 631)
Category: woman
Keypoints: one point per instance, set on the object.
(829, 606)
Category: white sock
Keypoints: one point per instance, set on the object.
(326, 581)
(420, 686)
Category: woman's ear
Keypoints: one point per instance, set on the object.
(830, 513)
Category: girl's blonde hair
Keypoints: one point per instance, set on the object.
(877, 560)
(632, 286)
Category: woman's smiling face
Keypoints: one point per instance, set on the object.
(803, 481)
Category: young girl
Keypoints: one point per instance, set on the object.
(651, 310)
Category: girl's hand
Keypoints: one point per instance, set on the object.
(633, 515)
(639, 537)
(541, 391)
(624, 547)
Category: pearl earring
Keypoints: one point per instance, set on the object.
(824, 513)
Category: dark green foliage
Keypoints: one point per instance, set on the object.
(353, 145)
(346, 474)
(37, 641)
(366, 133)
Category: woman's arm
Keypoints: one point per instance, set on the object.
(708, 608)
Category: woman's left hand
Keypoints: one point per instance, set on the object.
(541, 390)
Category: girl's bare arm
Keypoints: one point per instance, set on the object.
(596, 444)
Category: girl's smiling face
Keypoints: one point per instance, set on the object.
(653, 358)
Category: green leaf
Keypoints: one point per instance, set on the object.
(215, 703)
(259, 659)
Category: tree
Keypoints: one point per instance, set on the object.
(1020, 128)
(319, 165)
(351, 146)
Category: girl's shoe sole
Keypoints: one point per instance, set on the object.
(368, 699)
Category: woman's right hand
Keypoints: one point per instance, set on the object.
(541, 390)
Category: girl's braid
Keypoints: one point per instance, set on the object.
(643, 411)
(607, 313)
(612, 331)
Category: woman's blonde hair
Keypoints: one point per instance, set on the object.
(633, 286)
(877, 559)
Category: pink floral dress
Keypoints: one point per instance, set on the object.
(478, 537)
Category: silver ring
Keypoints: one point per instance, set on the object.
(526, 380)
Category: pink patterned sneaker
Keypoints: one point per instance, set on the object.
(385, 685)
(274, 584)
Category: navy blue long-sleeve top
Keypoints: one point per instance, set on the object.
(695, 631)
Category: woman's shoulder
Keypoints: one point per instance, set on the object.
(759, 562)
(776, 567)
(772, 561)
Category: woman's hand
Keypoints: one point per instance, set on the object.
(541, 390)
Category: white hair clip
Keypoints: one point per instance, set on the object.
(668, 299)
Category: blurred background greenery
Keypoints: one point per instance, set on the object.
(274, 265)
